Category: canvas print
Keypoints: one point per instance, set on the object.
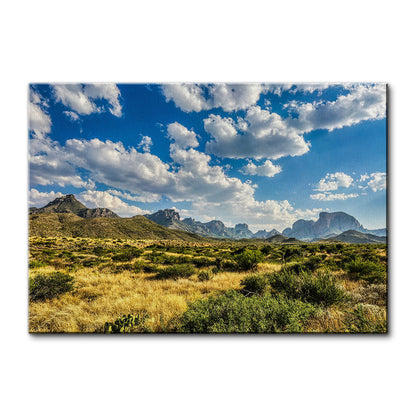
(207, 208)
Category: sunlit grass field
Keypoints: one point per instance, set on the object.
(84, 285)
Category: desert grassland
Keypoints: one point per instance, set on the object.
(115, 277)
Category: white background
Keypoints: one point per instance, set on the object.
(159, 41)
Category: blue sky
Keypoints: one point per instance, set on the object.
(263, 154)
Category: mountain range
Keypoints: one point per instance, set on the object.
(66, 216)
(217, 229)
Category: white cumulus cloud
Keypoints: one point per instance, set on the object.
(333, 197)
(145, 143)
(39, 121)
(103, 199)
(72, 115)
(83, 98)
(261, 134)
(266, 169)
(181, 136)
(143, 197)
(40, 199)
(378, 181)
(264, 134)
(198, 97)
(363, 102)
(333, 181)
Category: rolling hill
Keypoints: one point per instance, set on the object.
(356, 237)
(70, 225)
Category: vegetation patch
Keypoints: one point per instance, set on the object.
(365, 319)
(249, 259)
(176, 272)
(320, 289)
(367, 270)
(126, 323)
(254, 284)
(49, 286)
(233, 312)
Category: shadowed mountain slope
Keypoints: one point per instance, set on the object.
(356, 237)
(70, 225)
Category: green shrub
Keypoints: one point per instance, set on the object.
(312, 263)
(176, 271)
(204, 275)
(254, 284)
(295, 268)
(291, 252)
(34, 264)
(367, 270)
(249, 259)
(90, 262)
(49, 286)
(266, 250)
(127, 254)
(320, 289)
(232, 312)
(150, 268)
(181, 259)
(203, 261)
(99, 251)
(138, 266)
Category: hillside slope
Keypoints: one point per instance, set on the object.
(356, 237)
(71, 225)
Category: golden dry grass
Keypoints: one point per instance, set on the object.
(103, 295)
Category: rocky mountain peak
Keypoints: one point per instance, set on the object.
(328, 223)
(69, 204)
(241, 227)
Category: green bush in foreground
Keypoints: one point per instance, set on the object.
(249, 259)
(321, 289)
(176, 271)
(367, 270)
(49, 286)
(254, 284)
(233, 312)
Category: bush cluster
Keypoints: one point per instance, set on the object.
(233, 312)
(127, 254)
(321, 289)
(254, 284)
(49, 286)
(249, 259)
(367, 270)
(176, 272)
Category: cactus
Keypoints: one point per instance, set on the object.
(124, 324)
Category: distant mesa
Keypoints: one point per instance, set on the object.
(328, 225)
